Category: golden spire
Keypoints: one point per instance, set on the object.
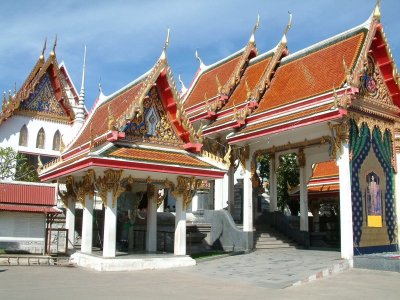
(377, 12)
(252, 37)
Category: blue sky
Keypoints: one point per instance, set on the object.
(125, 38)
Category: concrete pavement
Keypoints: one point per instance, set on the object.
(258, 275)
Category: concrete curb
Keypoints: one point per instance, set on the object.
(336, 269)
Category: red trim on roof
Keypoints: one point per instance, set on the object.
(293, 124)
(90, 162)
(30, 208)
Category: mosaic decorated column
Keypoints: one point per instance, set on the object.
(247, 198)
(301, 158)
(109, 189)
(273, 188)
(87, 225)
(180, 228)
(151, 232)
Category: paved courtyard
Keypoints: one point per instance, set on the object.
(258, 275)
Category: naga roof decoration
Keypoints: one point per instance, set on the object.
(254, 83)
(43, 93)
(214, 84)
(303, 88)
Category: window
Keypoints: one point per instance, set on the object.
(57, 141)
(23, 136)
(40, 139)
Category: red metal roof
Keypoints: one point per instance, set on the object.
(27, 193)
(30, 208)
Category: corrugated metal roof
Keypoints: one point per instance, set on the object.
(27, 193)
(30, 208)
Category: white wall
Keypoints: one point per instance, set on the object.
(9, 134)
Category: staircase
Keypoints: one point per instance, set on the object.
(266, 237)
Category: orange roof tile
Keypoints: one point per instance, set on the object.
(157, 156)
(324, 188)
(99, 121)
(207, 82)
(252, 75)
(325, 169)
(312, 74)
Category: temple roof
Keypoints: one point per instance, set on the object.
(303, 87)
(44, 93)
(325, 177)
(140, 127)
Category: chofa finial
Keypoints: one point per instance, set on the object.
(44, 48)
(252, 37)
(202, 65)
(183, 87)
(164, 54)
(53, 52)
(377, 12)
(288, 26)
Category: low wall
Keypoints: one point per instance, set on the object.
(225, 235)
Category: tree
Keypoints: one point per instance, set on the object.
(288, 176)
(15, 166)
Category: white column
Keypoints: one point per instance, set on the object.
(110, 227)
(231, 189)
(87, 225)
(195, 203)
(273, 188)
(346, 221)
(180, 228)
(70, 222)
(303, 200)
(151, 232)
(225, 190)
(247, 198)
(218, 194)
(397, 196)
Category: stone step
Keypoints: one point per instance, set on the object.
(279, 246)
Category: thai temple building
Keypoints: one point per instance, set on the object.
(37, 120)
(148, 147)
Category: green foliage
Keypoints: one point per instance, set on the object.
(15, 166)
(263, 166)
(287, 176)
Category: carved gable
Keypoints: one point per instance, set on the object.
(153, 125)
(374, 96)
(43, 101)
